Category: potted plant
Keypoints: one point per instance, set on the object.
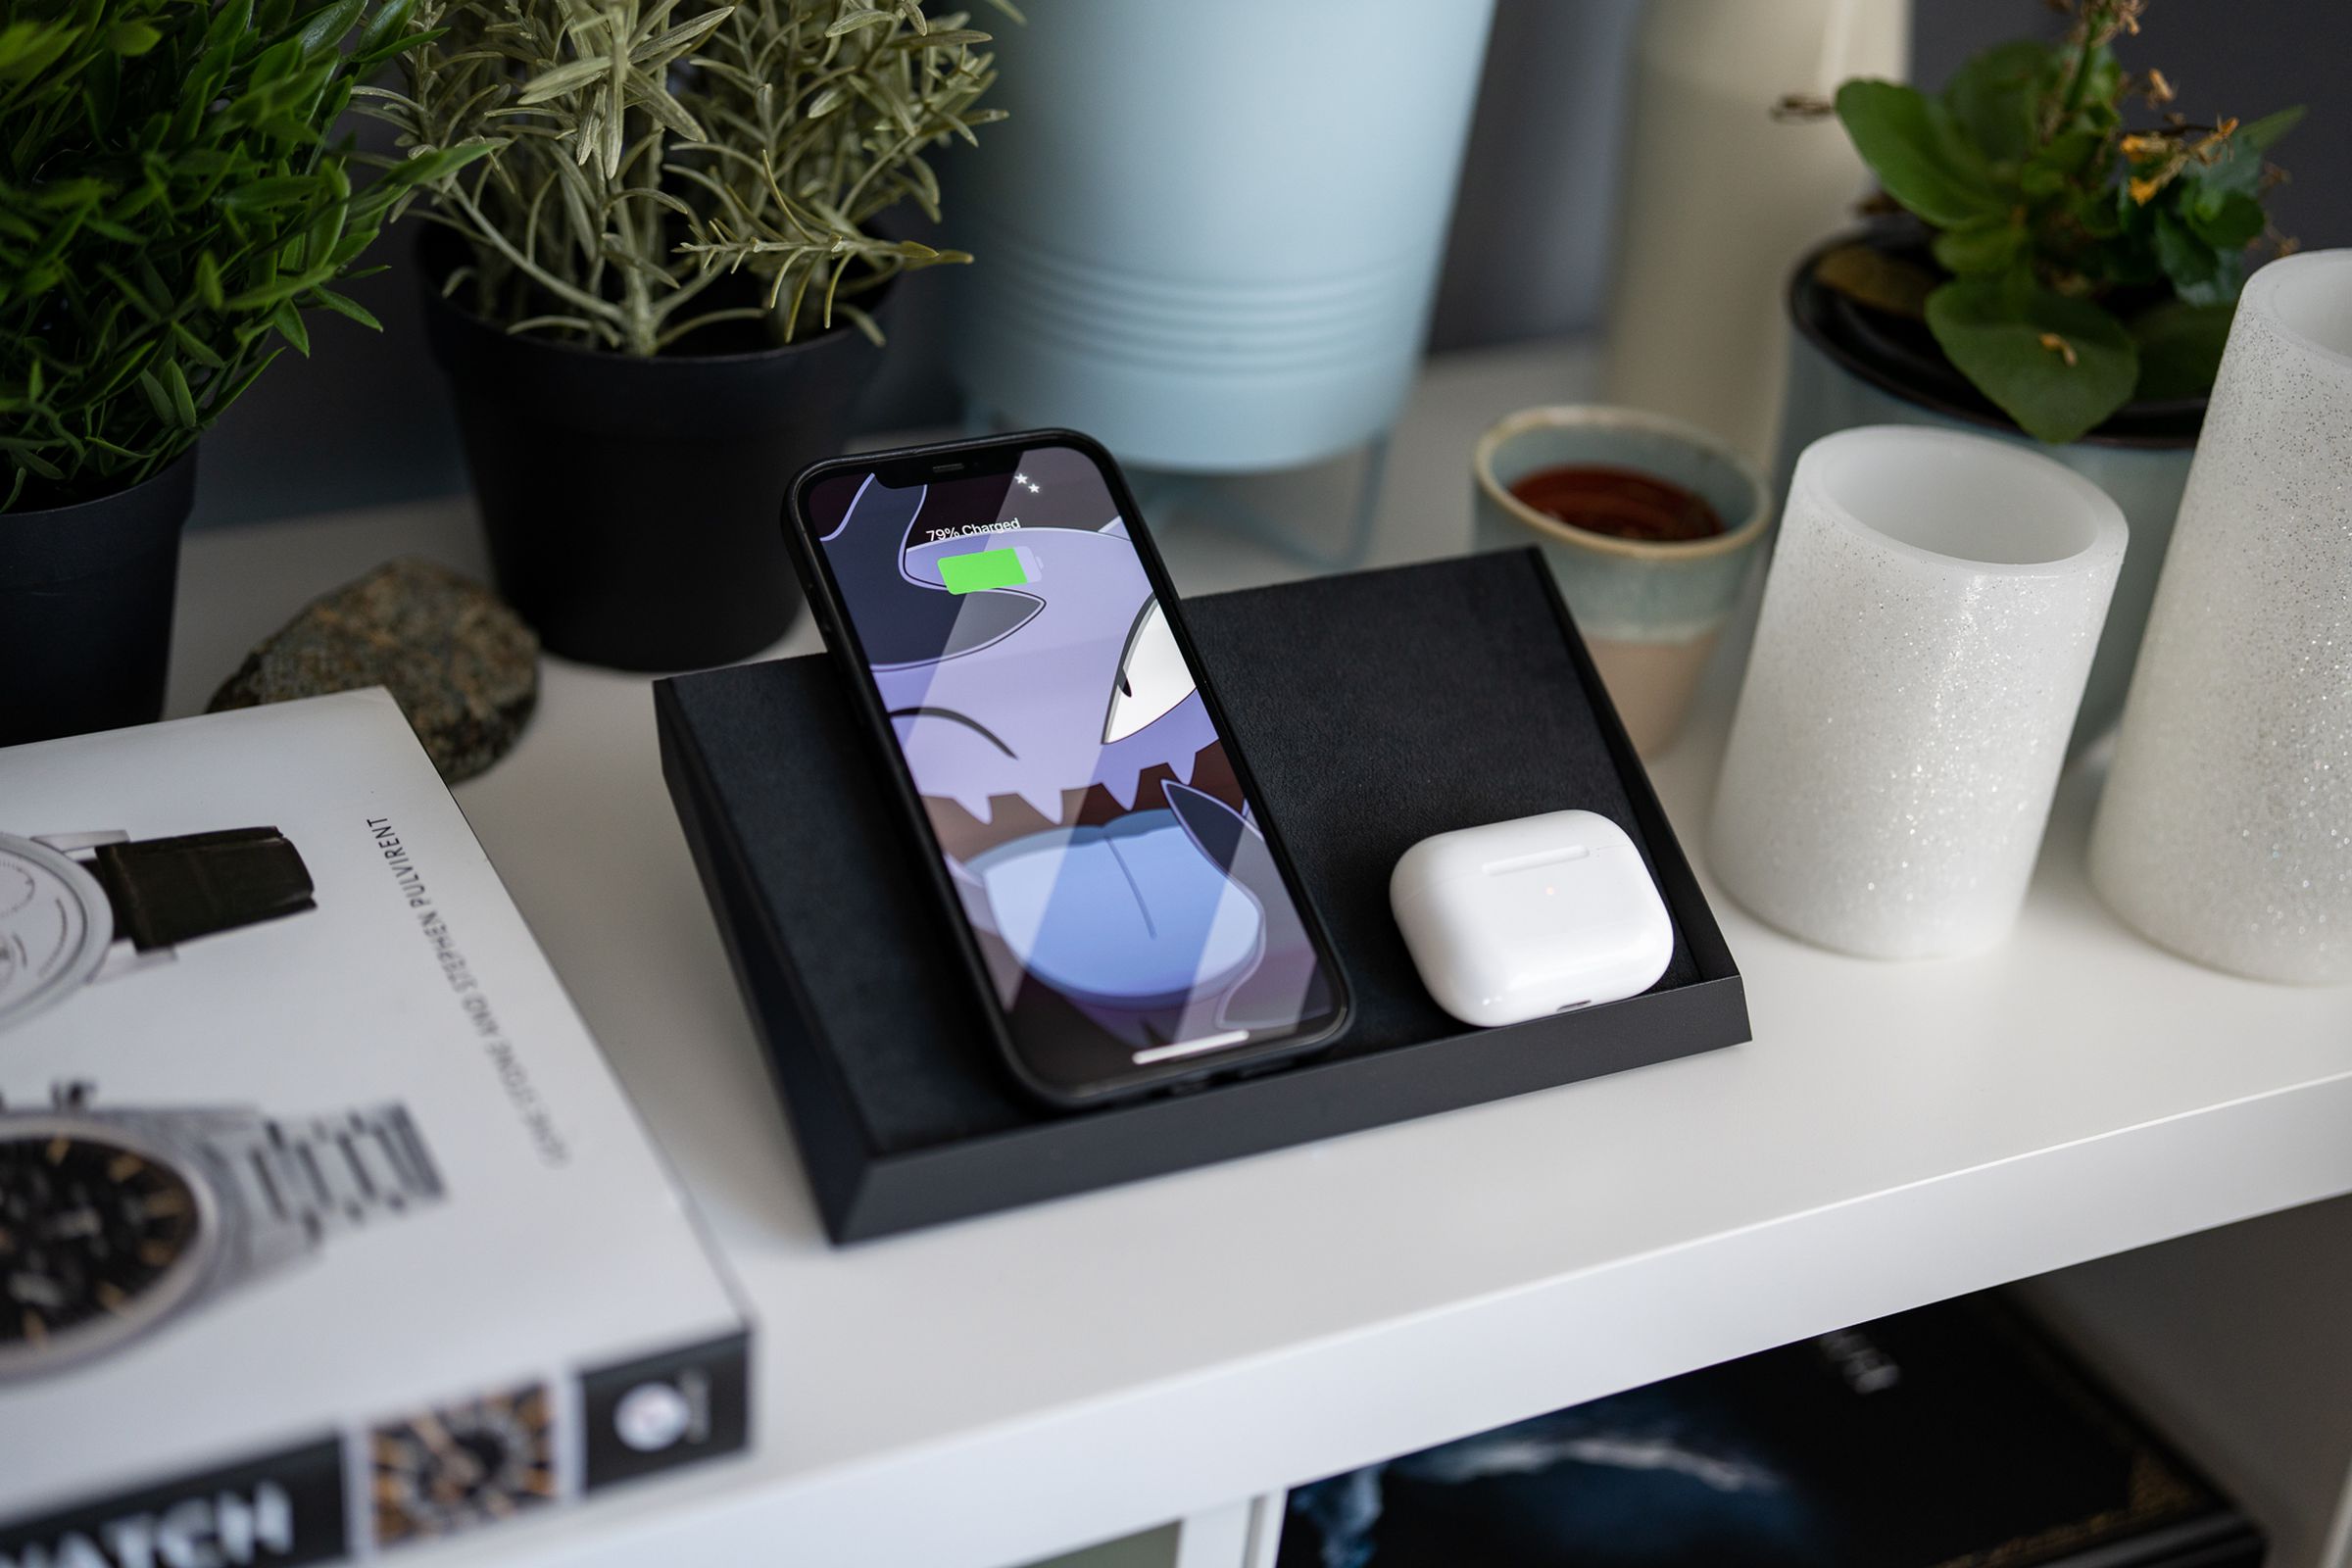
(171, 207)
(655, 299)
(2061, 264)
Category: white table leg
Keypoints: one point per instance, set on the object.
(2337, 1553)
(1239, 1534)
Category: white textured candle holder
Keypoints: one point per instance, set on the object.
(2226, 833)
(1927, 625)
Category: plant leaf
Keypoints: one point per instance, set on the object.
(2199, 273)
(2056, 366)
(1981, 248)
(563, 78)
(852, 21)
(133, 37)
(2180, 347)
(389, 21)
(2231, 224)
(1992, 97)
(262, 195)
(2059, 161)
(2238, 166)
(158, 400)
(2261, 133)
(2186, 260)
(183, 402)
(289, 324)
(344, 305)
(324, 28)
(197, 349)
(944, 38)
(1910, 143)
(665, 46)
(437, 165)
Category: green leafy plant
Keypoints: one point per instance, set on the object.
(2088, 261)
(169, 208)
(648, 149)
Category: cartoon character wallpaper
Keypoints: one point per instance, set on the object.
(1084, 803)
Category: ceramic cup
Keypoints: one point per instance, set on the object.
(1649, 611)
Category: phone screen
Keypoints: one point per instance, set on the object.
(1113, 872)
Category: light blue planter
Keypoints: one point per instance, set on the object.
(1208, 233)
(2145, 481)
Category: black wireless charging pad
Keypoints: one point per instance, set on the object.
(1375, 708)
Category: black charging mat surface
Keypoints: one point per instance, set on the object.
(1374, 708)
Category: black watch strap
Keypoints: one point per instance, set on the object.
(170, 891)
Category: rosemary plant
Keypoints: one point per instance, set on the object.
(647, 149)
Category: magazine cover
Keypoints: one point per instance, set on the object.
(1955, 1435)
(324, 1229)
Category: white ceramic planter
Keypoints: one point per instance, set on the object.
(2226, 832)
(1927, 625)
(1208, 233)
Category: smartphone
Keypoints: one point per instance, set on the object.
(1121, 899)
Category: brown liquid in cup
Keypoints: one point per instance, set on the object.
(1619, 502)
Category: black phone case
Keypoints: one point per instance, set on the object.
(847, 658)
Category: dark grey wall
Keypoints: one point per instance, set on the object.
(1529, 255)
(364, 420)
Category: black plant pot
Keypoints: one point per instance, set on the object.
(1900, 356)
(634, 506)
(85, 609)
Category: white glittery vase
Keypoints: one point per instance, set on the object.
(1928, 625)
(2226, 832)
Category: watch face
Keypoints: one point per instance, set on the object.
(95, 1238)
(54, 927)
(473, 1463)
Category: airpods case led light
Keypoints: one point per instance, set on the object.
(1516, 919)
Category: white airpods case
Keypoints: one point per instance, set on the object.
(1541, 914)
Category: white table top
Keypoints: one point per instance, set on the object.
(989, 1392)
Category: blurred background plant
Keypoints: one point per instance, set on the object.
(2088, 261)
(648, 149)
(169, 206)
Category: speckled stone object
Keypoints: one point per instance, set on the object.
(2226, 832)
(1927, 630)
(463, 666)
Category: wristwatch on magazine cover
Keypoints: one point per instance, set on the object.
(445, 1470)
(114, 1221)
(81, 907)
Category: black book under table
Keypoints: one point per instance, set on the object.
(1376, 708)
(1957, 1436)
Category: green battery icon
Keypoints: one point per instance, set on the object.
(1006, 567)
